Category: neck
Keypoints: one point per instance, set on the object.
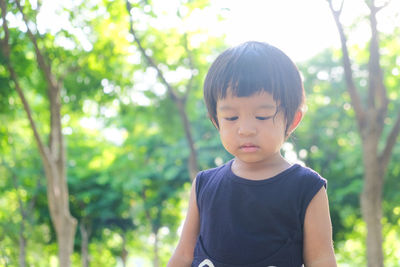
(259, 170)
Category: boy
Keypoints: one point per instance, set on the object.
(256, 210)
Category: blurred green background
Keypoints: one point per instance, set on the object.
(124, 97)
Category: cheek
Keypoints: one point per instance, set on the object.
(274, 132)
(279, 125)
(226, 136)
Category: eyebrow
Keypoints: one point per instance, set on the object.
(265, 106)
(225, 108)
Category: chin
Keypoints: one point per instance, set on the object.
(250, 159)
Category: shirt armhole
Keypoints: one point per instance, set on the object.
(316, 186)
(199, 183)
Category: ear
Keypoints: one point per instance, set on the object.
(296, 121)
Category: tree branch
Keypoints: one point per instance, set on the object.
(22, 209)
(179, 101)
(351, 88)
(50, 155)
(41, 61)
(191, 61)
(6, 51)
(146, 211)
(336, 12)
(56, 138)
(390, 143)
(189, 85)
(149, 60)
(32, 202)
(5, 46)
(341, 7)
(377, 8)
(14, 177)
(44, 150)
(377, 96)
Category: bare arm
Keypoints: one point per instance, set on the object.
(183, 255)
(318, 244)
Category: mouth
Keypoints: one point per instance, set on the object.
(248, 148)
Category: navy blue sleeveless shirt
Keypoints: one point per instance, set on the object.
(253, 223)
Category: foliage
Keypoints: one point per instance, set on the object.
(126, 152)
(333, 148)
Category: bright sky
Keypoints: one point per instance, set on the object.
(300, 28)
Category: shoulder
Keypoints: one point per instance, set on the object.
(307, 177)
(213, 171)
(209, 178)
(206, 175)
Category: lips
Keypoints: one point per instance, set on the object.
(248, 147)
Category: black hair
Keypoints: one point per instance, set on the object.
(251, 68)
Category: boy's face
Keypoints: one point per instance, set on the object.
(248, 128)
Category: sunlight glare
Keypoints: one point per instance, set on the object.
(53, 19)
(300, 28)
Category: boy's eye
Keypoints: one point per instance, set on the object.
(261, 118)
(231, 118)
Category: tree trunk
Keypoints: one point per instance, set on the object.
(370, 118)
(371, 207)
(156, 257)
(65, 240)
(22, 245)
(63, 222)
(84, 245)
(124, 252)
(192, 166)
(53, 155)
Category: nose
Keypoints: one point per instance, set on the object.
(246, 128)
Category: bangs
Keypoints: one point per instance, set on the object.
(248, 72)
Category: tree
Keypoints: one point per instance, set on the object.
(53, 154)
(97, 199)
(19, 187)
(25, 213)
(91, 83)
(370, 116)
(185, 58)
